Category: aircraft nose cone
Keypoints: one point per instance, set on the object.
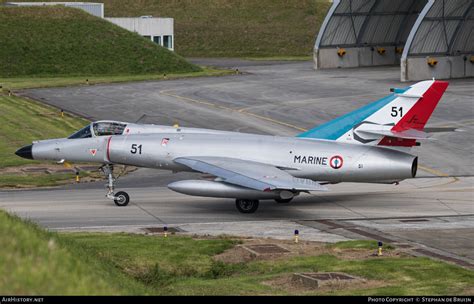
(25, 152)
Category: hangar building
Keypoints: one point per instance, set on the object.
(158, 30)
(428, 38)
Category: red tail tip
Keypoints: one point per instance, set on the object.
(440, 86)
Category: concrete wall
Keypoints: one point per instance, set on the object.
(355, 57)
(153, 27)
(417, 68)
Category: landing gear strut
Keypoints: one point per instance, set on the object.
(246, 205)
(120, 198)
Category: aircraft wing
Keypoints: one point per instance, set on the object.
(249, 174)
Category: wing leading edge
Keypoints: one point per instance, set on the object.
(253, 175)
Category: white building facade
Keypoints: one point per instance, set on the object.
(158, 30)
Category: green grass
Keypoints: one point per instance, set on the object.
(24, 121)
(234, 28)
(55, 41)
(155, 260)
(34, 261)
(35, 180)
(181, 265)
(15, 83)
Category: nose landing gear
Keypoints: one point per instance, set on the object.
(120, 198)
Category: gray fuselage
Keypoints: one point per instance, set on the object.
(319, 160)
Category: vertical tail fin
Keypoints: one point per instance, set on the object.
(395, 120)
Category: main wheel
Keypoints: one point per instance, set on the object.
(246, 206)
(283, 201)
(121, 199)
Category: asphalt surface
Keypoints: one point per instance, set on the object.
(435, 212)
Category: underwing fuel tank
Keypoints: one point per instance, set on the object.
(225, 190)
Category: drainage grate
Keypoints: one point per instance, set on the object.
(329, 276)
(403, 245)
(370, 235)
(62, 171)
(414, 221)
(266, 249)
(34, 169)
(331, 224)
(443, 257)
(319, 279)
(161, 229)
(89, 168)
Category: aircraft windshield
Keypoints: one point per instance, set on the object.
(82, 133)
(108, 128)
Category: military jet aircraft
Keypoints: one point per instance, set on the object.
(370, 144)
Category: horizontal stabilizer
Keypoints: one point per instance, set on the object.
(443, 129)
(407, 134)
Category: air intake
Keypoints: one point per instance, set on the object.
(414, 167)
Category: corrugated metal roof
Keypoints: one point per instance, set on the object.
(393, 6)
(382, 29)
(371, 22)
(446, 29)
(433, 37)
(354, 6)
(464, 42)
(451, 8)
(342, 30)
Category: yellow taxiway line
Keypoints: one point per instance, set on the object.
(243, 111)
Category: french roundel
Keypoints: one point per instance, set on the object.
(336, 162)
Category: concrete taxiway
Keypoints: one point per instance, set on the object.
(434, 213)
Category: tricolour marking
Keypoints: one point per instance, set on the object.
(417, 117)
(336, 162)
(108, 148)
(336, 128)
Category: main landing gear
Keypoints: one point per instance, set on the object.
(246, 205)
(250, 206)
(120, 198)
(283, 201)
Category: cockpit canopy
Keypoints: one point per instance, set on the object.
(100, 128)
(104, 128)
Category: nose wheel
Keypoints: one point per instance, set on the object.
(246, 205)
(120, 198)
